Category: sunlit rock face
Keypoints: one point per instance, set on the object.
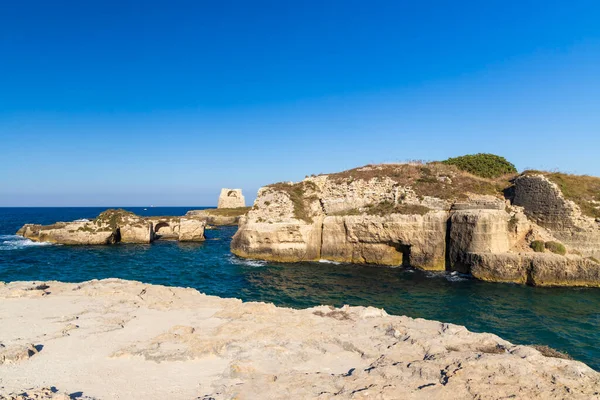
(427, 216)
(117, 226)
(123, 339)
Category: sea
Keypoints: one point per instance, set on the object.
(567, 319)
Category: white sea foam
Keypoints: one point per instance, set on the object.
(14, 242)
(329, 262)
(82, 220)
(247, 262)
(449, 276)
(456, 277)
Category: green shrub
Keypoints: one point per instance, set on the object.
(556, 248)
(538, 246)
(483, 165)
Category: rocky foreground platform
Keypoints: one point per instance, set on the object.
(116, 339)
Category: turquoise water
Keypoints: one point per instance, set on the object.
(564, 318)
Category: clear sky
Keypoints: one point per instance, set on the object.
(163, 103)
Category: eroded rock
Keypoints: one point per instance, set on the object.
(178, 343)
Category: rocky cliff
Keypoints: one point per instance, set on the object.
(117, 226)
(432, 216)
(115, 339)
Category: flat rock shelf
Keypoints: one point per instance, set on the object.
(118, 339)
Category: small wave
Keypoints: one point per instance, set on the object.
(247, 262)
(449, 276)
(329, 262)
(14, 242)
(456, 277)
(82, 220)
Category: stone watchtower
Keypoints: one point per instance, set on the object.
(231, 198)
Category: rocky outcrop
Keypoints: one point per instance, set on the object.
(231, 198)
(545, 204)
(219, 216)
(426, 216)
(116, 226)
(539, 269)
(120, 339)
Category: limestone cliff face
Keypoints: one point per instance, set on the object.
(423, 216)
(116, 226)
(374, 221)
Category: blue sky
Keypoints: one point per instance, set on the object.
(145, 102)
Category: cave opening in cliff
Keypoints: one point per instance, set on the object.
(405, 250)
(160, 226)
(115, 237)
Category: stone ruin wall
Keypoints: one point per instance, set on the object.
(545, 204)
(231, 198)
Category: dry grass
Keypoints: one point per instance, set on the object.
(114, 218)
(300, 195)
(493, 349)
(335, 314)
(432, 179)
(550, 352)
(57, 225)
(386, 208)
(227, 212)
(581, 189)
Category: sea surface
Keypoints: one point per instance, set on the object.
(567, 319)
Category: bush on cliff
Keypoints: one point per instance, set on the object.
(556, 248)
(538, 246)
(483, 165)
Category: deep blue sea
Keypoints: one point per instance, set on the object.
(567, 319)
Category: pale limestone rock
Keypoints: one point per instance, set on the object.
(278, 241)
(117, 226)
(477, 231)
(14, 353)
(396, 239)
(68, 233)
(180, 344)
(231, 198)
(377, 220)
(540, 269)
(191, 230)
(219, 217)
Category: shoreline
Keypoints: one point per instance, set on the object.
(114, 338)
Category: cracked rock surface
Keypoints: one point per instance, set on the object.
(116, 339)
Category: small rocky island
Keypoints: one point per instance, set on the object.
(472, 214)
(121, 226)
